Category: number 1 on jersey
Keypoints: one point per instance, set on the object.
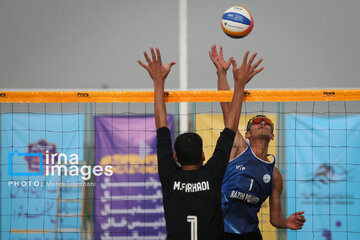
(251, 184)
(193, 220)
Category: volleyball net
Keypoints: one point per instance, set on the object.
(83, 165)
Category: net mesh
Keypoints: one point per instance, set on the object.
(56, 149)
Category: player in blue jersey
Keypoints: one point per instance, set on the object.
(251, 176)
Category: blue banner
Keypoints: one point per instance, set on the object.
(34, 199)
(321, 175)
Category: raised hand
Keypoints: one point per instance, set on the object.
(247, 70)
(218, 59)
(296, 221)
(158, 72)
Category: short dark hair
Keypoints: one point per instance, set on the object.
(189, 148)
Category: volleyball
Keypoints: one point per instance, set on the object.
(237, 22)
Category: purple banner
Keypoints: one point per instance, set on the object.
(128, 204)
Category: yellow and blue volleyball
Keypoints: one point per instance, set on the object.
(237, 22)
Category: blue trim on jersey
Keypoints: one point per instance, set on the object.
(247, 183)
(236, 17)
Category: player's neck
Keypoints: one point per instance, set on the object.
(190, 167)
(260, 148)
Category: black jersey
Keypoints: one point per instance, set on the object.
(192, 198)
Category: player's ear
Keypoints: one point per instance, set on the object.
(247, 134)
(202, 158)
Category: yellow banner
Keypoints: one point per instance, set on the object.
(209, 126)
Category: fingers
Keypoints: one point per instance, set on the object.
(210, 55)
(158, 54)
(298, 227)
(299, 220)
(155, 66)
(214, 51)
(147, 57)
(257, 64)
(252, 58)
(170, 65)
(218, 59)
(142, 64)
(153, 54)
(255, 72)
(248, 64)
(300, 217)
(214, 57)
(154, 58)
(245, 57)
(299, 224)
(233, 62)
(229, 62)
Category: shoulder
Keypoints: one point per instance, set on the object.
(239, 145)
(238, 151)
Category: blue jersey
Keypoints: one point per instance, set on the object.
(247, 183)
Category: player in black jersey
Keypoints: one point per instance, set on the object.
(192, 192)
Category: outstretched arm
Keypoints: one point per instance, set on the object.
(222, 66)
(242, 75)
(221, 69)
(158, 72)
(295, 221)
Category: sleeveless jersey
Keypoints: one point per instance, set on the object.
(192, 198)
(247, 183)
